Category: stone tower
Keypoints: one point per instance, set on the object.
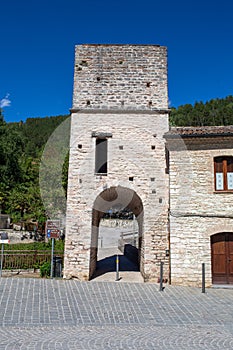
(117, 152)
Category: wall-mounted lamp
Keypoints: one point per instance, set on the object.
(167, 251)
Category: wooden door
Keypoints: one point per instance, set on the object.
(222, 258)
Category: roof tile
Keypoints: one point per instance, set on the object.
(206, 131)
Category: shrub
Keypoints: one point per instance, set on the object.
(59, 246)
(45, 269)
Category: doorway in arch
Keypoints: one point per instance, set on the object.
(222, 258)
(117, 224)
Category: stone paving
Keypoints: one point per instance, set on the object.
(59, 314)
(106, 267)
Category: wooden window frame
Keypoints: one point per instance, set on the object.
(223, 162)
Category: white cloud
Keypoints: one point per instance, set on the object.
(5, 102)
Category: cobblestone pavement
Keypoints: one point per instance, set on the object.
(59, 314)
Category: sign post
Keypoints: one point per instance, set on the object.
(52, 231)
(52, 253)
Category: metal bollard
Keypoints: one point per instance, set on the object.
(203, 278)
(117, 267)
(161, 277)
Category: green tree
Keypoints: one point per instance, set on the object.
(214, 112)
(21, 147)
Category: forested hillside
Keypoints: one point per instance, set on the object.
(22, 144)
(21, 147)
(213, 112)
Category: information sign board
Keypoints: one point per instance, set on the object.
(4, 238)
(53, 228)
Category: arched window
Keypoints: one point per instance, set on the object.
(223, 173)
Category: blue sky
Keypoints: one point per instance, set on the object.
(38, 38)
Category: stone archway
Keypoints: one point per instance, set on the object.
(123, 198)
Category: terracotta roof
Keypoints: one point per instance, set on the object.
(200, 131)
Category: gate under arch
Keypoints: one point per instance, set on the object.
(123, 198)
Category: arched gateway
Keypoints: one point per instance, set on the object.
(117, 152)
(123, 198)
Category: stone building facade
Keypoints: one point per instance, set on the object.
(117, 152)
(177, 182)
(201, 217)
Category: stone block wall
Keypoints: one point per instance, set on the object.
(120, 77)
(136, 151)
(119, 91)
(197, 211)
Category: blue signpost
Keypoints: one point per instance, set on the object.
(53, 232)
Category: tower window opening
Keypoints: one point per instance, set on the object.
(101, 155)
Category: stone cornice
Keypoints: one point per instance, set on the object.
(119, 111)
